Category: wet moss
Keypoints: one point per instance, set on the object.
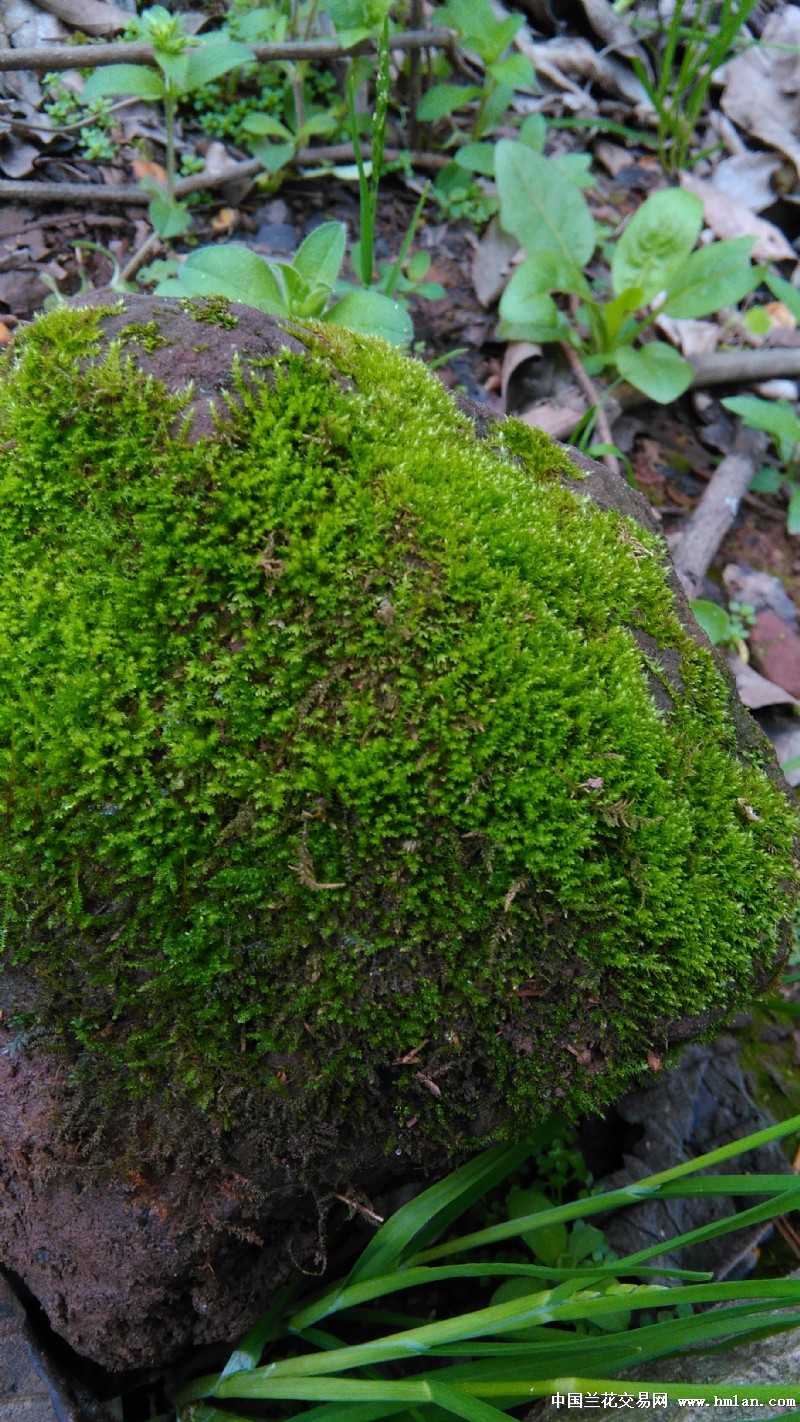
(212, 310)
(332, 757)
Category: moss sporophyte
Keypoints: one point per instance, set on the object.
(347, 752)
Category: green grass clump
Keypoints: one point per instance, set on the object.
(328, 742)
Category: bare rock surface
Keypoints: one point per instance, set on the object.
(25, 1395)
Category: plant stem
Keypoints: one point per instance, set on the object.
(170, 107)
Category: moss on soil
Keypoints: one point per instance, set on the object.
(331, 761)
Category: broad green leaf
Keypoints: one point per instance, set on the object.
(444, 99)
(793, 516)
(533, 131)
(319, 258)
(546, 1244)
(713, 619)
(757, 320)
(615, 313)
(477, 158)
(542, 208)
(418, 266)
(317, 124)
(213, 58)
(169, 218)
(716, 276)
(766, 480)
(262, 26)
(657, 241)
(775, 417)
(526, 303)
(173, 68)
(469, 17)
(576, 167)
(493, 109)
(515, 70)
(785, 292)
(135, 79)
(304, 299)
(235, 272)
(489, 41)
(272, 156)
(532, 318)
(551, 325)
(265, 126)
(655, 369)
(374, 314)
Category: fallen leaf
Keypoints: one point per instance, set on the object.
(224, 220)
(747, 177)
(556, 419)
(493, 256)
(755, 690)
(613, 158)
(146, 168)
(727, 217)
(94, 17)
(761, 590)
(16, 156)
(762, 85)
(426, 1081)
(693, 338)
(515, 354)
(5, 333)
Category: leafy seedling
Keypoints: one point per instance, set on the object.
(299, 290)
(183, 63)
(654, 269)
(482, 34)
(778, 419)
(729, 628)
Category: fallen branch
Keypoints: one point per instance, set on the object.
(716, 510)
(731, 367)
(93, 56)
(14, 190)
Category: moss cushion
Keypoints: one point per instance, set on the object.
(347, 756)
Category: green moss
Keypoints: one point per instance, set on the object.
(146, 334)
(213, 310)
(330, 742)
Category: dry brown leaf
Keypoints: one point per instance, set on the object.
(747, 177)
(146, 168)
(612, 28)
(5, 333)
(493, 256)
(693, 338)
(613, 158)
(780, 316)
(754, 689)
(556, 419)
(16, 156)
(515, 355)
(762, 85)
(727, 217)
(92, 16)
(224, 220)
(560, 59)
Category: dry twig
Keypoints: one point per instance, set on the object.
(716, 510)
(93, 56)
(595, 398)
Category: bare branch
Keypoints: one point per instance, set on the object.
(93, 56)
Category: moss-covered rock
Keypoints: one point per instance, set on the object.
(350, 758)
